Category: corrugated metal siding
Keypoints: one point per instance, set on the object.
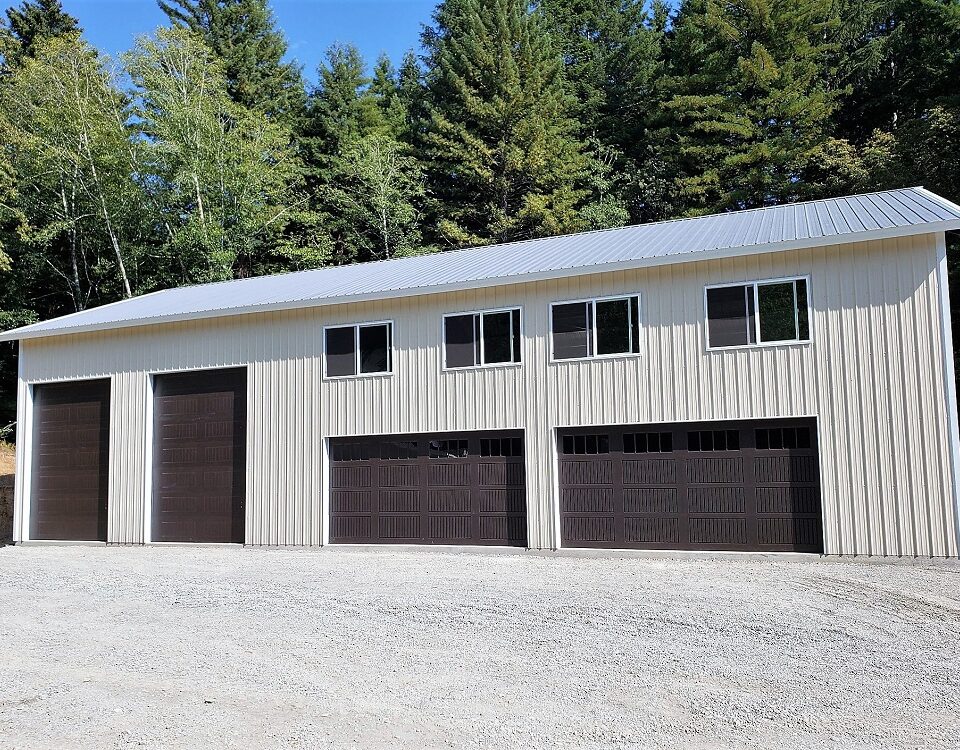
(815, 222)
(873, 375)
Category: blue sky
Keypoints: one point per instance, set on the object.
(375, 26)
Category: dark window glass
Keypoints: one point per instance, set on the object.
(341, 352)
(635, 323)
(803, 312)
(713, 440)
(448, 449)
(459, 340)
(613, 326)
(571, 330)
(497, 332)
(515, 322)
(777, 312)
(398, 451)
(728, 315)
(375, 348)
(648, 442)
(763, 438)
(586, 445)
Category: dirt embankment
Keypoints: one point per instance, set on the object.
(7, 468)
(8, 458)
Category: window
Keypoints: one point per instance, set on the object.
(596, 328)
(762, 312)
(359, 350)
(353, 451)
(400, 450)
(507, 447)
(585, 445)
(782, 438)
(483, 338)
(647, 442)
(448, 449)
(713, 440)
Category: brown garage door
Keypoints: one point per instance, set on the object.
(709, 486)
(70, 461)
(465, 488)
(199, 456)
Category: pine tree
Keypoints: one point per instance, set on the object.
(748, 100)
(243, 34)
(500, 142)
(33, 22)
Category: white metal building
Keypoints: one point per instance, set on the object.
(773, 379)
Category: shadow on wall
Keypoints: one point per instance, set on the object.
(6, 509)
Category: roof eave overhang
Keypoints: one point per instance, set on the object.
(22, 334)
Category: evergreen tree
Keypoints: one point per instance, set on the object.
(31, 23)
(748, 100)
(898, 58)
(500, 143)
(243, 34)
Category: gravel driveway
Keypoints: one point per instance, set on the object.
(249, 648)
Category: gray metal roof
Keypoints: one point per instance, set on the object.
(775, 228)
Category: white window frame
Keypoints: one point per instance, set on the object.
(593, 301)
(481, 313)
(356, 349)
(756, 284)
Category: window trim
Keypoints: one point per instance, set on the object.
(759, 344)
(641, 338)
(356, 349)
(443, 339)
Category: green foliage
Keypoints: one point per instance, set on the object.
(242, 35)
(748, 100)
(501, 147)
(33, 22)
(71, 226)
(221, 177)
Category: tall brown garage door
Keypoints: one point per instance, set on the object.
(708, 486)
(465, 488)
(70, 461)
(199, 456)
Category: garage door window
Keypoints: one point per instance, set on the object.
(596, 328)
(762, 312)
(358, 350)
(482, 338)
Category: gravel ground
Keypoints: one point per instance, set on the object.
(251, 648)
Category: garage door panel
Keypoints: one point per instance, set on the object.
(588, 500)
(395, 528)
(719, 531)
(449, 501)
(589, 529)
(725, 486)
(797, 532)
(504, 501)
(715, 471)
(345, 501)
(788, 500)
(447, 475)
(399, 501)
(654, 471)
(70, 461)
(786, 469)
(654, 531)
(465, 488)
(648, 501)
(199, 456)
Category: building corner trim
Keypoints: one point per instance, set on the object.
(949, 374)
